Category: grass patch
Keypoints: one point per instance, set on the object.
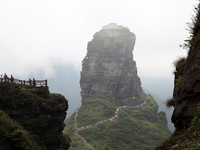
(136, 128)
(92, 112)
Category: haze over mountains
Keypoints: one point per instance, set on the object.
(42, 31)
(66, 82)
(36, 51)
(47, 40)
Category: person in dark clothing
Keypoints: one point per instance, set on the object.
(30, 81)
(34, 82)
(12, 79)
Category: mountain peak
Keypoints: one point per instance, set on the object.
(113, 26)
(108, 70)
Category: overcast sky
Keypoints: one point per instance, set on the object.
(35, 32)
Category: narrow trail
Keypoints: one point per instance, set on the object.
(100, 122)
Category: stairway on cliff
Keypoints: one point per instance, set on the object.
(108, 80)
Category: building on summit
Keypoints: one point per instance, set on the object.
(113, 25)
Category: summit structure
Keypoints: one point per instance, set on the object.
(113, 25)
(108, 69)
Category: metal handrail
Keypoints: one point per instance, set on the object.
(24, 82)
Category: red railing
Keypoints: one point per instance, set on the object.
(23, 82)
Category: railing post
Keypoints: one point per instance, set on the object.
(24, 82)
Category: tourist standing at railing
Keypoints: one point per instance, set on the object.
(30, 81)
(5, 77)
(34, 82)
(12, 79)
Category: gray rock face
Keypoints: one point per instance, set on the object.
(187, 90)
(108, 69)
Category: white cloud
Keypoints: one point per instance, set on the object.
(32, 32)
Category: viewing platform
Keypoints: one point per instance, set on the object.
(24, 82)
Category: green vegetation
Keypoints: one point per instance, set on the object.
(178, 81)
(179, 62)
(33, 109)
(188, 138)
(150, 107)
(171, 102)
(185, 140)
(13, 136)
(134, 128)
(93, 110)
(194, 30)
(142, 97)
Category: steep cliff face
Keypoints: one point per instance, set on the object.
(108, 70)
(187, 78)
(186, 97)
(187, 90)
(115, 113)
(39, 112)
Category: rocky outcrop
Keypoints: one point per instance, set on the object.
(109, 82)
(187, 77)
(186, 99)
(108, 69)
(186, 96)
(40, 113)
(187, 90)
